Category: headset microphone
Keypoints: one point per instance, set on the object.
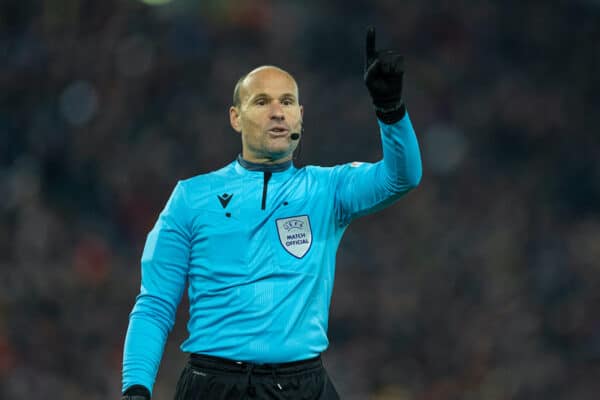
(296, 135)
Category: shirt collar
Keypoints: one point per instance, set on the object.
(251, 166)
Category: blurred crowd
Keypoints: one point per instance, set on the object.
(483, 283)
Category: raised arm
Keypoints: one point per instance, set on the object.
(362, 188)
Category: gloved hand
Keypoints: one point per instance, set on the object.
(384, 71)
(136, 392)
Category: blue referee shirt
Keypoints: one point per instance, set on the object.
(257, 245)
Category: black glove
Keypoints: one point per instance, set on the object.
(384, 71)
(136, 392)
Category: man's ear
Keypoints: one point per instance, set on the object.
(234, 119)
(302, 111)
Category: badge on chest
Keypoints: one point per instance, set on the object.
(295, 234)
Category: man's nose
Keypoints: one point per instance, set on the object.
(277, 111)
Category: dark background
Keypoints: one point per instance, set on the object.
(483, 283)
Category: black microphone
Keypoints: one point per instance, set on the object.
(296, 135)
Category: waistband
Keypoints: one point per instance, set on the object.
(224, 364)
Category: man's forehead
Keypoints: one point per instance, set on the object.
(268, 80)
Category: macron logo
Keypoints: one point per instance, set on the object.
(224, 199)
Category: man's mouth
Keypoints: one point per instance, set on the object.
(278, 131)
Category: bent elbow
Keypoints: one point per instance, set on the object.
(401, 180)
(413, 174)
(415, 179)
(407, 183)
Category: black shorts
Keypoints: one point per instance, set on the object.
(213, 378)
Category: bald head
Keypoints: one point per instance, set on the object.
(266, 112)
(265, 71)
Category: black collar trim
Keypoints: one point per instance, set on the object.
(251, 166)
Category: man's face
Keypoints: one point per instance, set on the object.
(268, 114)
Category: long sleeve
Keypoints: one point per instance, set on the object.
(363, 188)
(165, 263)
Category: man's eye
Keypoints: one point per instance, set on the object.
(261, 102)
(288, 102)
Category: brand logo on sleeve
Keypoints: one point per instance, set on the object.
(295, 235)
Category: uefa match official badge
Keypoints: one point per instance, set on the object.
(295, 235)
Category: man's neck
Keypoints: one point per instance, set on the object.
(280, 165)
(265, 160)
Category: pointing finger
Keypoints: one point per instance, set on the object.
(371, 53)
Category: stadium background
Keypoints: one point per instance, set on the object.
(481, 284)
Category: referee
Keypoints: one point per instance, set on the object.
(255, 243)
